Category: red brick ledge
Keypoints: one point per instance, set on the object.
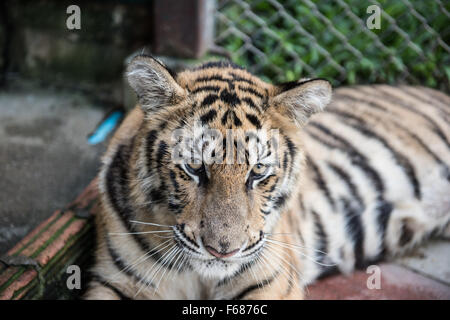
(51, 246)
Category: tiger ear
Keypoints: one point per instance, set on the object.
(301, 99)
(153, 83)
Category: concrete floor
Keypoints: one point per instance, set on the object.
(431, 260)
(45, 161)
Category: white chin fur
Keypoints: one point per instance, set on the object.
(214, 269)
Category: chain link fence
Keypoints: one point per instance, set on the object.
(286, 40)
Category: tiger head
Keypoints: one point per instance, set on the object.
(218, 157)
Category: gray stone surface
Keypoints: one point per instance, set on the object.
(45, 161)
(431, 260)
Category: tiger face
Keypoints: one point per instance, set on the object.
(217, 158)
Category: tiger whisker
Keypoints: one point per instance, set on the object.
(181, 255)
(284, 271)
(170, 245)
(259, 283)
(143, 257)
(163, 261)
(303, 254)
(174, 255)
(301, 279)
(299, 247)
(254, 277)
(183, 261)
(160, 263)
(164, 237)
(138, 232)
(269, 262)
(298, 250)
(164, 266)
(262, 258)
(152, 224)
(156, 263)
(233, 281)
(288, 262)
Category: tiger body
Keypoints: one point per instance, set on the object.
(367, 179)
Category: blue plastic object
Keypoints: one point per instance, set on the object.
(105, 127)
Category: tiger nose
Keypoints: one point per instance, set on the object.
(218, 254)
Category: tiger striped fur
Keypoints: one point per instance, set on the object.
(366, 180)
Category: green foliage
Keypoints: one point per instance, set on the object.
(296, 31)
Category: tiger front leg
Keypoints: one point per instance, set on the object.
(281, 288)
(99, 291)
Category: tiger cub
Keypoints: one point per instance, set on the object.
(222, 186)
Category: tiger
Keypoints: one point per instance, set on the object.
(327, 181)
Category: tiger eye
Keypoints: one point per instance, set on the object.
(194, 166)
(259, 169)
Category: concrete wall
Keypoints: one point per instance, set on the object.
(37, 43)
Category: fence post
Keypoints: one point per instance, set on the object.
(183, 29)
